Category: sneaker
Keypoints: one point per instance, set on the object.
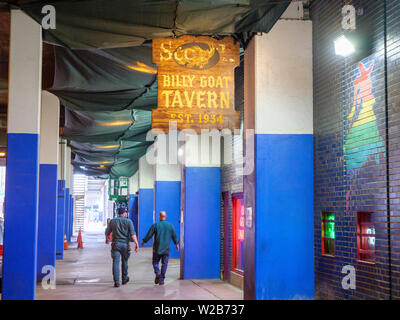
(126, 281)
(117, 285)
(157, 279)
(161, 282)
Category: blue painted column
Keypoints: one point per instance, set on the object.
(146, 193)
(67, 215)
(47, 222)
(134, 201)
(279, 243)
(22, 175)
(68, 190)
(167, 187)
(60, 220)
(202, 210)
(71, 225)
(61, 197)
(134, 210)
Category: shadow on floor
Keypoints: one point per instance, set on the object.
(85, 274)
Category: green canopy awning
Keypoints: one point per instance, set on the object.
(89, 24)
(104, 74)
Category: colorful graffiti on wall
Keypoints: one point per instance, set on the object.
(363, 141)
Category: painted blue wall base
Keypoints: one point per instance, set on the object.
(145, 214)
(134, 210)
(284, 253)
(202, 222)
(21, 217)
(168, 199)
(71, 224)
(60, 220)
(47, 221)
(67, 214)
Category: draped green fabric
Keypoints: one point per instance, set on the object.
(91, 24)
(108, 97)
(104, 73)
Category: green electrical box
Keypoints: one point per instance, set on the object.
(118, 189)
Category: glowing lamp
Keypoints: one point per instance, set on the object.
(343, 47)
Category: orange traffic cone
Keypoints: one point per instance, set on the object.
(65, 242)
(80, 243)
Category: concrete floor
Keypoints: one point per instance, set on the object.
(85, 274)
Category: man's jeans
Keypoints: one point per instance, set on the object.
(164, 260)
(119, 251)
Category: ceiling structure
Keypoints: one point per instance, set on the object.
(98, 62)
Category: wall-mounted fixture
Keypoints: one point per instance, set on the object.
(343, 46)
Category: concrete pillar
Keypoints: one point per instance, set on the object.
(278, 195)
(72, 207)
(61, 199)
(22, 175)
(146, 191)
(167, 190)
(48, 158)
(67, 215)
(71, 224)
(202, 205)
(134, 183)
(134, 200)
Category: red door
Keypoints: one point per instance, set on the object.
(237, 233)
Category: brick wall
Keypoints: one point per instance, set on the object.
(356, 167)
(231, 174)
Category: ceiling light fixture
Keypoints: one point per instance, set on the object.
(113, 146)
(115, 123)
(142, 67)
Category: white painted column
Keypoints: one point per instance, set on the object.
(146, 193)
(62, 152)
(23, 126)
(278, 195)
(67, 215)
(48, 157)
(133, 204)
(134, 183)
(61, 200)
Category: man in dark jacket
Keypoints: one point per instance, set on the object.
(163, 232)
(122, 232)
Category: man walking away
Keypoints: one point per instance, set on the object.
(163, 232)
(122, 232)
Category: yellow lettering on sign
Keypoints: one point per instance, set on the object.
(177, 99)
(212, 99)
(200, 98)
(191, 78)
(203, 81)
(166, 93)
(165, 54)
(219, 82)
(189, 101)
(224, 100)
(226, 81)
(196, 82)
(166, 80)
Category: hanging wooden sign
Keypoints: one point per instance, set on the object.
(196, 83)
